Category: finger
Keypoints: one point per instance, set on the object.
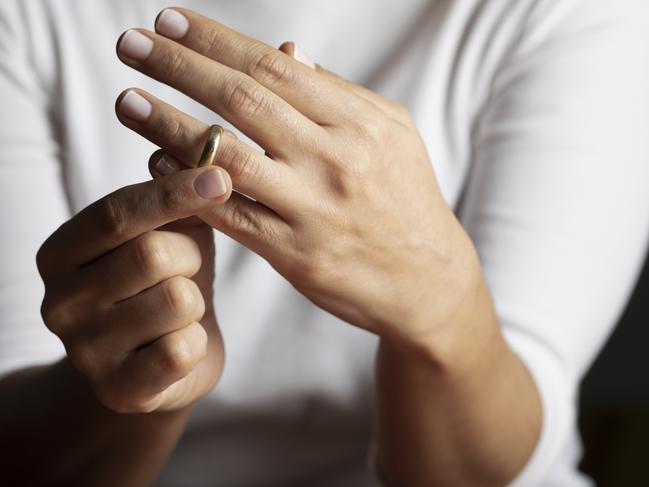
(129, 212)
(258, 112)
(168, 306)
(138, 384)
(249, 222)
(391, 108)
(321, 101)
(183, 136)
(139, 264)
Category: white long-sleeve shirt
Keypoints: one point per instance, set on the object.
(536, 117)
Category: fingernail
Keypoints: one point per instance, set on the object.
(172, 24)
(167, 165)
(210, 184)
(302, 56)
(135, 45)
(135, 106)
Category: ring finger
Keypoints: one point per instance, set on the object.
(183, 136)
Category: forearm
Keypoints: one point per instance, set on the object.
(54, 432)
(467, 415)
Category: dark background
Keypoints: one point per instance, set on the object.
(614, 416)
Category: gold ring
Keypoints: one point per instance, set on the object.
(211, 146)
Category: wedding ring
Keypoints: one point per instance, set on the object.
(211, 146)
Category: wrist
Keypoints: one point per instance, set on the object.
(456, 329)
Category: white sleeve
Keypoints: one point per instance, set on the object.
(558, 199)
(32, 199)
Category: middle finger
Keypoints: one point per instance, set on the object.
(258, 112)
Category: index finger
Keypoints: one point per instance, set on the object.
(132, 211)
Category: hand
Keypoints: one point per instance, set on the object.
(132, 302)
(346, 205)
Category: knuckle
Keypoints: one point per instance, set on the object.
(201, 338)
(83, 357)
(347, 180)
(56, 315)
(209, 40)
(243, 165)
(199, 305)
(113, 217)
(173, 197)
(245, 98)
(127, 405)
(117, 404)
(241, 220)
(110, 399)
(180, 296)
(172, 63)
(270, 67)
(43, 258)
(171, 128)
(141, 406)
(374, 130)
(311, 266)
(117, 392)
(176, 356)
(151, 254)
(48, 311)
(114, 399)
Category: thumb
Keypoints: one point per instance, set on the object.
(215, 186)
(133, 210)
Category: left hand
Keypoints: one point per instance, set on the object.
(346, 204)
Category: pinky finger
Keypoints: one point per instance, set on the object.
(148, 372)
(390, 107)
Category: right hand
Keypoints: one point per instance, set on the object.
(132, 302)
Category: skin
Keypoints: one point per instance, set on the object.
(128, 290)
(345, 205)
(347, 208)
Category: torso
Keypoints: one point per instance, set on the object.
(295, 403)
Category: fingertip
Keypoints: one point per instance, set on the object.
(213, 183)
(288, 48)
(157, 18)
(119, 41)
(226, 178)
(230, 133)
(133, 106)
(119, 99)
(162, 163)
(153, 160)
(296, 52)
(227, 181)
(118, 104)
(171, 23)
